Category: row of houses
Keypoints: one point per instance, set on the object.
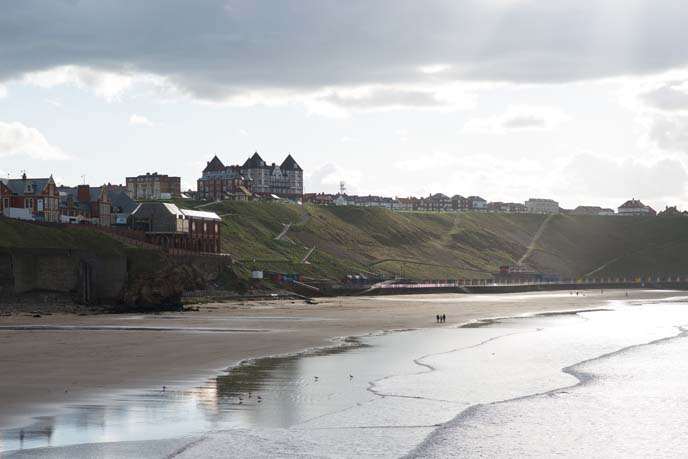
(440, 202)
(40, 199)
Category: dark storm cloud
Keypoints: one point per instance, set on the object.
(216, 48)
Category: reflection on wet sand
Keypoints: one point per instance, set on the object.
(268, 392)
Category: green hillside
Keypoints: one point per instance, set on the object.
(419, 245)
(425, 245)
(20, 234)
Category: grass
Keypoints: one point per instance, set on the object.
(420, 245)
(424, 245)
(20, 234)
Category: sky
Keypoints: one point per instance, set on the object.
(582, 102)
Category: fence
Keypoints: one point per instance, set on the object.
(613, 280)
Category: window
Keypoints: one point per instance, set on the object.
(28, 203)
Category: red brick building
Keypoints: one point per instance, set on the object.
(220, 182)
(30, 199)
(173, 228)
(85, 203)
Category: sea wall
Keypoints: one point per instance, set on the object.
(81, 275)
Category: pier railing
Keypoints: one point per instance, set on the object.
(587, 282)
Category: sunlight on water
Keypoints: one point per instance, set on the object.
(425, 393)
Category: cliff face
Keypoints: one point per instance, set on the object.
(163, 287)
(67, 264)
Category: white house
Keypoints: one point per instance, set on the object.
(542, 206)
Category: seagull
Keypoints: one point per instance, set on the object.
(164, 388)
(351, 376)
(260, 398)
(315, 377)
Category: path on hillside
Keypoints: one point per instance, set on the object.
(284, 232)
(535, 239)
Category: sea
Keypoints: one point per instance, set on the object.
(610, 382)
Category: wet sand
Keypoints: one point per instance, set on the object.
(52, 361)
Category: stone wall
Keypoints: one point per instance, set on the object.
(83, 275)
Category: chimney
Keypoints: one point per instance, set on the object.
(83, 193)
(23, 175)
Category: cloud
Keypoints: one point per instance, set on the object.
(3, 91)
(601, 177)
(216, 49)
(661, 106)
(140, 120)
(518, 118)
(108, 85)
(327, 178)
(671, 96)
(19, 139)
(53, 102)
(399, 97)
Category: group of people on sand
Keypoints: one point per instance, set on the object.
(441, 318)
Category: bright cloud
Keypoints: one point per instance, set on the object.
(19, 139)
(599, 177)
(140, 120)
(108, 85)
(329, 176)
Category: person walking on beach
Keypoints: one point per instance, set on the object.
(437, 318)
(444, 318)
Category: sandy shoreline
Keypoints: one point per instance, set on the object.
(67, 359)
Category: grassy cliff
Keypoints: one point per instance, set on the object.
(25, 235)
(417, 244)
(447, 245)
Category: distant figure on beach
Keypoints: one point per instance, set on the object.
(444, 318)
(576, 293)
(437, 318)
(626, 293)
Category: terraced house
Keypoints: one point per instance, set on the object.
(30, 199)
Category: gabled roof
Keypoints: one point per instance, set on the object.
(121, 202)
(18, 186)
(289, 164)
(93, 193)
(632, 204)
(254, 162)
(439, 196)
(214, 165)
